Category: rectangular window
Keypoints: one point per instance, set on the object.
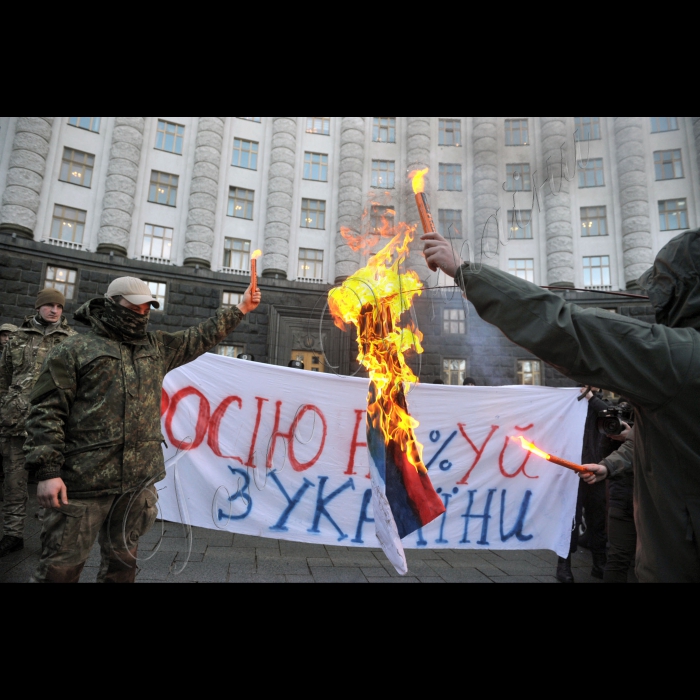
(87, 123)
(316, 167)
(382, 218)
(170, 137)
(450, 177)
(158, 290)
(591, 174)
(523, 268)
(237, 255)
(163, 189)
(311, 265)
(77, 167)
(662, 124)
(596, 272)
(233, 351)
(384, 174)
(318, 125)
(454, 372)
(62, 279)
(450, 223)
(669, 165)
(245, 154)
(588, 129)
(313, 214)
(517, 132)
(594, 221)
(157, 242)
(518, 177)
(454, 322)
(68, 224)
(529, 373)
(384, 130)
(231, 299)
(520, 223)
(673, 215)
(241, 203)
(450, 132)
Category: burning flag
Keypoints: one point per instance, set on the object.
(374, 300)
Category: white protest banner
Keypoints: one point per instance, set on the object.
(280, 453)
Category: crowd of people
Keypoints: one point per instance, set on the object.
(82, 413)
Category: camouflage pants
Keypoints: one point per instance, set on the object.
(15, 490)
(70, 532)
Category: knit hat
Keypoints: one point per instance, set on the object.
(50, 296)
(135, 291)
(8, 328)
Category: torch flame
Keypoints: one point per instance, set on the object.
(532, 448)
(419, 180)
(256, 255)
(374, 300)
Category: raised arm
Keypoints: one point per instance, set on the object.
(647, 364)
(186, 346)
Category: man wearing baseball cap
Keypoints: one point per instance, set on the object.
(95, 429)
(22, 359)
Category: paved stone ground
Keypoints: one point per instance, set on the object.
(219, 557)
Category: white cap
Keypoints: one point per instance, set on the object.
(135, 291)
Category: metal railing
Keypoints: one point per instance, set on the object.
(64, 244)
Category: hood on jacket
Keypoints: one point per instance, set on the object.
(673, 284)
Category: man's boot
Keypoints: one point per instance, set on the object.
(10, 545)
(600, 561)
(564, 572)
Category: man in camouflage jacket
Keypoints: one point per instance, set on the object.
(22, 360)
(95, 429)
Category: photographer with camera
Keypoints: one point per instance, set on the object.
(656, 367)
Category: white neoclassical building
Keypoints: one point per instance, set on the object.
(572, 201)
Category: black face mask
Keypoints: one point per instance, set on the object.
(125, 322)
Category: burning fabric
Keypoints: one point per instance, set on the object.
(376, 300)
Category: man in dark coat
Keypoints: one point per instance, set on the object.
(95, 429)
(656, 367)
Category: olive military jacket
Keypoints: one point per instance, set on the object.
(655, 367)
(21, 364)
(95, 420)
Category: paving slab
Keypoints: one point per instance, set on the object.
(338, 575)
(407, 579)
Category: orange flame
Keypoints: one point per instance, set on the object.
(374, 301)
(419, 180)
(532, 448)
(256, 255)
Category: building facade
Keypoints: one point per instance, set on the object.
(582, 202)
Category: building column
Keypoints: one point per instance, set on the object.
(418, 149)
(25, 177)
(204, 192)
(120, 187)
(634, 197)
(487, 189)
(557, 204)
(696, 129)
(280, 197)
(350, 195)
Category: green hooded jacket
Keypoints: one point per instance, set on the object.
(655, 367)
(21, 363)
(95, 420)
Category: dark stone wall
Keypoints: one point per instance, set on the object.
(195, 295)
